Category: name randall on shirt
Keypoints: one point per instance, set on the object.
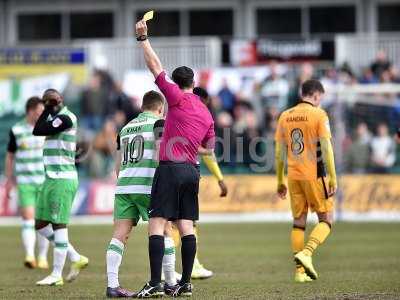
(297, 119)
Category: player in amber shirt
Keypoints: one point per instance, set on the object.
(303, 136)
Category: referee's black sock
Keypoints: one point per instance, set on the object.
(188, 250)
(156, 253)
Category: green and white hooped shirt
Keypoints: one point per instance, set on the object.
(138, 163)
(29, 167)
(60, 149)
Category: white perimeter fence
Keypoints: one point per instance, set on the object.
(121, 55)
(360, 50)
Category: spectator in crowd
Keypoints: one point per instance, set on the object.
(398, 135)
(368, 77)
(330, 77)
(103, 98)
(274, 89)
(245, 128)
(381, 64)
(383, 150)
(346, 75)
(270, 120)
(329, 80)
(358, 155)
(306, 72)
(100, 163)
(386, 77)
(225, 147)
(227, 97)
(119, 102)
(273, 95)
(93, 101)
(394, 72)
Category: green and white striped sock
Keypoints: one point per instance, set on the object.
(48, 233)
(60, 251)
(168, 262)
(114, 254)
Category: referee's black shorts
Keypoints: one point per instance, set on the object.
(174, 194)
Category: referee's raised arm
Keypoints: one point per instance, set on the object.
(170, 90)
(150, 57)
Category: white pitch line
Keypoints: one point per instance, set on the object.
(375, 216)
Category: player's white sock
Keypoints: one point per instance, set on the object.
(43, 246)
(60, 251)
(168, 262)
(29, 237)
(114, 258)
(48, 233)
(73, 255)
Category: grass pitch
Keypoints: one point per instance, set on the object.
(250, 261)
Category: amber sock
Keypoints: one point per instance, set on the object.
(317, 237)
(297, 239)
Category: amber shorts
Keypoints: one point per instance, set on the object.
(305, 194)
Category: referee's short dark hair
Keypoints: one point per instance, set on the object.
(32, 103)
(183, 77)
(152, 100)
(309, 87)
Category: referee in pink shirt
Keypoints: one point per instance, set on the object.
(174, 196)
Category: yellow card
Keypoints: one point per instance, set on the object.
(148, 16)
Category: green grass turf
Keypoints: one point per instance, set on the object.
(250, 261)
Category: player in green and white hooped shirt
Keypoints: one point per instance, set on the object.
(25, 155)
(53, 208)
(136, 162)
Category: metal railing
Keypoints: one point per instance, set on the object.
(121, 55)
(360, 49)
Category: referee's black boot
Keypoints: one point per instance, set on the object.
(149, 291)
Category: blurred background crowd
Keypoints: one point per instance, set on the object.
(367, 143)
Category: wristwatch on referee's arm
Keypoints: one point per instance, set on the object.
(141, 38)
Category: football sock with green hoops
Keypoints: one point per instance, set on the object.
(168, 262)
(60, 251)
(48, 233)
(114, 258)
